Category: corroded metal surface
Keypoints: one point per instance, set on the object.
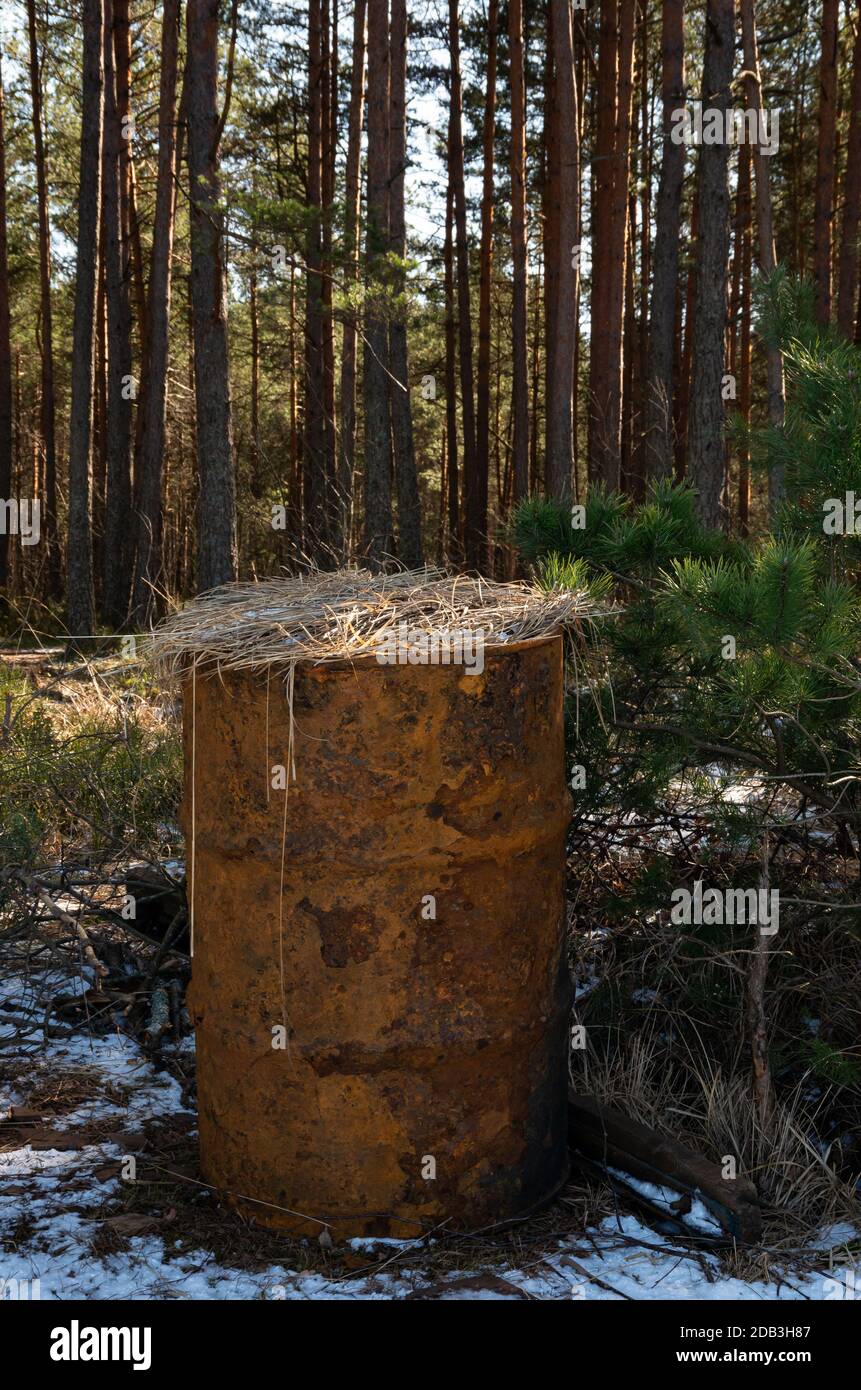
(400, 916)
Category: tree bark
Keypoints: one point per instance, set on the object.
(685, 349)
(741, 359)
(118, 540)
(329, 137)
(602, 212)
(665, 272)
(254, 314)
(520, 390)
(617, 242)
(560, 421)
(409, 504)
(757, 1020)
(485, 290)
(5, 356)
(149, 470)
(454, 547)
(352, 177)
(765, 234)
(707, 453)
(847, 292)
(216, 553)
(379, 542)
(471, 486)
(823, 211)
(47, 419)
(314, 434)
(79, 558)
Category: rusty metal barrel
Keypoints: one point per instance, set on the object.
(380, 991)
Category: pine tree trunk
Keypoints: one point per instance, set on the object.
(352, 176)
(254, 314)
(644, 179)
(551, 187)
(149, 469)
(617, 241)
(295, 474)
(379, 542)
(665, 266)
(409, 504)
(602, 212)
(485, 287)
(765, 227)
(707, 451)
(520, 390)
(823, 211)
(47, 420)
(216, 553)
(329, 131)
(471, 488)
(685, 348)
(741, 364)
(118, 537)
(315, 434)
(560, 421)
(5, 356)
(848, 266)
(79, 557)
(454, 548)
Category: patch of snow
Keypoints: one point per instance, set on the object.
(63, 1198)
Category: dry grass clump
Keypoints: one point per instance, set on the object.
(322, 617)
(689, 1096)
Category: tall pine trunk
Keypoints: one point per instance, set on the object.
(471, 489)
(823, 210)
(665, 272)
(741, 362)
(617, 244)
(379, 542)
(409, 505)
(5, 355)
(47, 408)
(707, 451)
(352, 178)
(314, 434)
(519, 367)
(118, 538)
(848, 266)
(767, 255)
(149, 469)
(79, 557)
(560, 386)
(451, 478)
(601, 216)
(328, 150)
(216, 518)
(485, 291)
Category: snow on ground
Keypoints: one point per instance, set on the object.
(51, 1202)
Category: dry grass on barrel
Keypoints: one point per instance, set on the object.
(320, 617)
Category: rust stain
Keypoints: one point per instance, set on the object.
(412, 1040)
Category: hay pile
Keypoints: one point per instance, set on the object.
(323, 617)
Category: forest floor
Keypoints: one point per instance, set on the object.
(71, 1114)
(97, 1065)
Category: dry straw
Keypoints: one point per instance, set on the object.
(324, 617)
